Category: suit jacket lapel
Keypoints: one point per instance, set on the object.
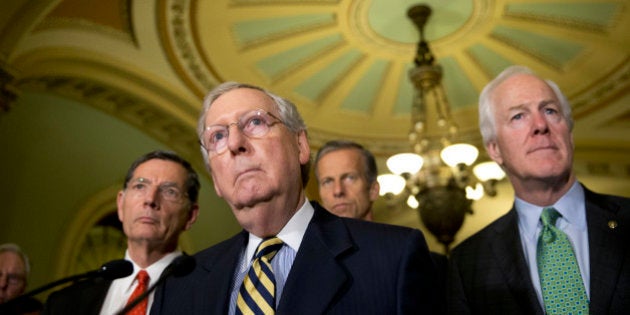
(90, 298)
(508, 252)
(94, 302)
(221, 283)
(315, 271)
(605, 251)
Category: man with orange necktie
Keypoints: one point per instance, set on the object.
(157, 203)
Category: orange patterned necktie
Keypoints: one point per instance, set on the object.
(143, 284)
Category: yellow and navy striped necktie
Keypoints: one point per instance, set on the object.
(257, 294)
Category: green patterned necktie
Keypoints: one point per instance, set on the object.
(560, 280)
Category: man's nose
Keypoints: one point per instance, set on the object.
(152, 197)
(3, 281)
(541, 125)
(236, 141)
(338, 189)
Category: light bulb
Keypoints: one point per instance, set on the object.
(476, 193)
(412, 202)
(488, 170)
(404, 163)
(459, 153)
(390, 183)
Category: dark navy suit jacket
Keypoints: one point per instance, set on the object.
(85, 297)
(488, 273)
(343, 266)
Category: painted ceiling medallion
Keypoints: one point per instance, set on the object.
(345, 63)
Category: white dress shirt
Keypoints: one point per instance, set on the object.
(120, 290)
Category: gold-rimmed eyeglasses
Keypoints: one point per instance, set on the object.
(253, 124)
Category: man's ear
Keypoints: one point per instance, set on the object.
(216, 187)
(305, 149)
(194, 211)
(374, 190)
(119, 204)
(494, 151)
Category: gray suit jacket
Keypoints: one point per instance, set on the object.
(488, 273)
(343, 266)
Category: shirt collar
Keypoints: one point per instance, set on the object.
(291, 234)
(571, 207)
(528, 215)
(154, 270)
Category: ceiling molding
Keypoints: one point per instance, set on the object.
(127, 107)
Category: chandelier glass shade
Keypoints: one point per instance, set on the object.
(438, 176)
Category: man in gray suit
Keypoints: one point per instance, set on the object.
(526, 126)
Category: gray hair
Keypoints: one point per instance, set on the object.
(370, 170)
(10, 247)
(287, 111)
(487, 123)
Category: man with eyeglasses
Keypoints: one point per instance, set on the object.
(293, 256)
(14, 271)
(157, 203)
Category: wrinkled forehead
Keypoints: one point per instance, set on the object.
(230, 106)
(344, 156)
(344, 160)
(11, 262)
(156, 171)
(523, 86)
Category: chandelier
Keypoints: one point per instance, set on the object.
(438, 178)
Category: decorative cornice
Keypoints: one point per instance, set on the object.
(613, 84)
(602, 169)
(8, 92)
(147, 117)
(178, 40)
(558, 21)
(88, 26)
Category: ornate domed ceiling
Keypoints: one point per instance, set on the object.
(145, 65)
(345, 63)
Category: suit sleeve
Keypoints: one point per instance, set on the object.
(456, 297)
(418, 282)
